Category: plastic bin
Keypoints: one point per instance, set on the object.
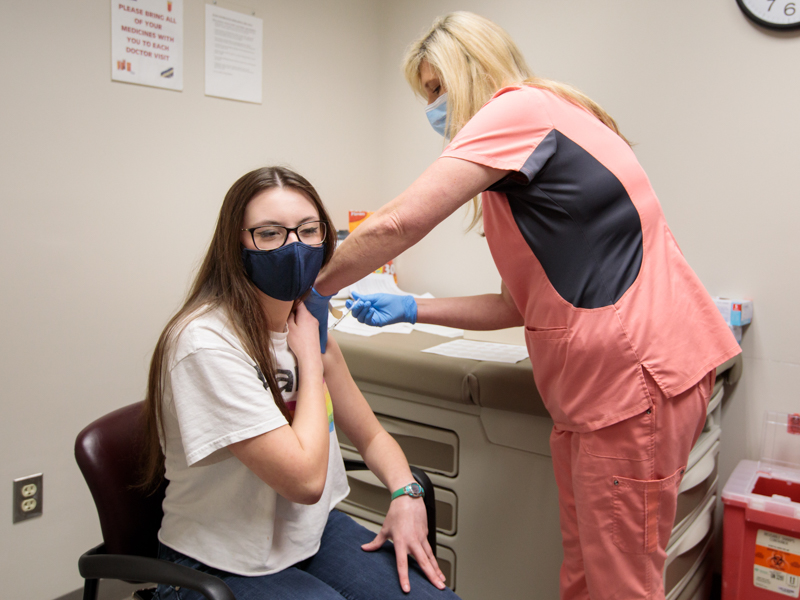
(761, 523)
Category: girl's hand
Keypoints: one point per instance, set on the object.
(406, 524)
(304, 335)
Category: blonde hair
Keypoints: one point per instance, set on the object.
(474, 58)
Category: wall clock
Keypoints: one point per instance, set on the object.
(773, 14)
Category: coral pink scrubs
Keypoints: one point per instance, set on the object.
(619, 328)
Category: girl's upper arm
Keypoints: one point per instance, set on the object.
(209, 383)
(351, 412)
(267, 454)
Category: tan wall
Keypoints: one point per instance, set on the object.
(110, 191)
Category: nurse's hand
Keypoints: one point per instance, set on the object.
(406, 524)
(317, 305)
(383, 309)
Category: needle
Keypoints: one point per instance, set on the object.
(339, 320)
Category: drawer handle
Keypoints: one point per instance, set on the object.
(700, 472)
(694, 535)
(715, 400)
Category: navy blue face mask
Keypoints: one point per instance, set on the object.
(285, 273)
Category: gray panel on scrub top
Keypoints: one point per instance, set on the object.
(578, 220)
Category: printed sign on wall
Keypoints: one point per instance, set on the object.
(233, 55)
(147, 42)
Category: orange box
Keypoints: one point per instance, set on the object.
(356, 218)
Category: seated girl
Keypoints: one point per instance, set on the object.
(240, 411)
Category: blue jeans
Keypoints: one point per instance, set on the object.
(339, 570)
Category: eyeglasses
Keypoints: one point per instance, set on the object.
(272, 237)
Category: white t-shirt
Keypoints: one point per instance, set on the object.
(216, 510)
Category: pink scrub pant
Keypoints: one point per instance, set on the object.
(618, 489)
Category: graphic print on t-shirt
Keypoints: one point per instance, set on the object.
(328, 407)
(286, 379)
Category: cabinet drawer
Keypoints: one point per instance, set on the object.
(714, 411)
(699, 482)
(431, 449)
(698, 587)
(686, 554)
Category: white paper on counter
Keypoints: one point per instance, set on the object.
(486, 351)
(351, 325)
(450, 332)
(383, 283)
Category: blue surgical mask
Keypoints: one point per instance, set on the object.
(437, 114)
(285, 273)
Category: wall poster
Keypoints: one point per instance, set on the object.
(234, 55)
(147, 42)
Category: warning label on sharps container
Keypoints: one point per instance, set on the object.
(777, 563)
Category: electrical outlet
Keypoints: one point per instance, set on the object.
(27, 499)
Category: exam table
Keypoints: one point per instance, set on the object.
(480, 430)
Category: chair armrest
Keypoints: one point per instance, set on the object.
(429, 499)
(95, 564)
(430, 504)
(355, 465)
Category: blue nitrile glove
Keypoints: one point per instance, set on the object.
(318, 306)
(383, 309)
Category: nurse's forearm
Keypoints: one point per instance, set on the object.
(478, 313)
(358, 256)
(447, 184)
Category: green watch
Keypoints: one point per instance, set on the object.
(412, 489)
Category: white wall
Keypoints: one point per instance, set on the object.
(110, 191)
(109, 196)
(711, 103)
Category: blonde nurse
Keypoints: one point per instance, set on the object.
(623, 338)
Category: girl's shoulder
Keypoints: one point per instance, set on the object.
(207, 328)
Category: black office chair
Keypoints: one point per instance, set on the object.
(108, 452)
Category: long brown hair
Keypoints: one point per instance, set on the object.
(222, 282)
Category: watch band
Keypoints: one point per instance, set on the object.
(412, 489)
